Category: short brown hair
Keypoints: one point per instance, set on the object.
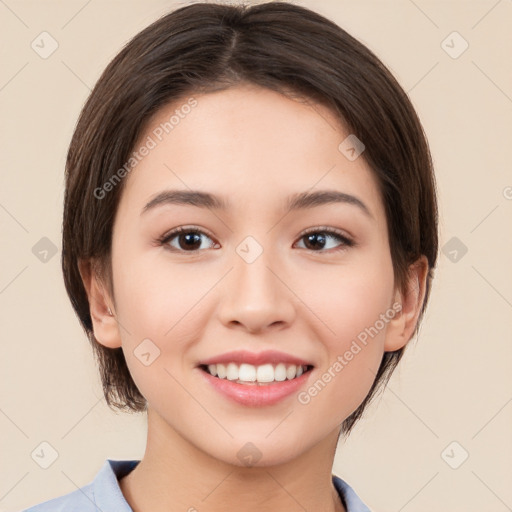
(206, 47)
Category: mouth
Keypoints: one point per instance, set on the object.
(255, 379)
(252, 375)
(259, 386)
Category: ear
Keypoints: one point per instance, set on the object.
(400, 329)
(103, 315)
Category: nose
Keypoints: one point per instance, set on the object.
(256, 296)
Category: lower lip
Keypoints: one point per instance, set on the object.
(253, 394)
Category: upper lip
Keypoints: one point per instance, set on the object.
(255, 358)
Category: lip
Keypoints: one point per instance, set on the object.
(253, 395)
(256, 359)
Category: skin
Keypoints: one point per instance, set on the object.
(255, 147)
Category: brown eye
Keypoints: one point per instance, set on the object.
(318, 239)
(187, 239)
(184, 240)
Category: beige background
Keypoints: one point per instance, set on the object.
(455, 383)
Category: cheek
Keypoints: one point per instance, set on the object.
(356, 315)
(355, 298)
(357, 311)
(161, 308)
(156, 297)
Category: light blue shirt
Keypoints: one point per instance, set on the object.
(103, 494)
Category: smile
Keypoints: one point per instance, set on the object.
(252, 393)
(248, 374)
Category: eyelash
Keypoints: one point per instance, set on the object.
(330, 232)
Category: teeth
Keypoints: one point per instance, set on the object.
(246, 373)
(232, 371)
(265, 373)
(280, 372)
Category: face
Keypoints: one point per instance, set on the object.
(313, 282)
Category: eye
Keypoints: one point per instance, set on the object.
(187, 239)
(318, 237)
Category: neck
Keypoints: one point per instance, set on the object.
(176, 475)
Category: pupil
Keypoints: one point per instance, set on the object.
(314, 236)
(189, 237)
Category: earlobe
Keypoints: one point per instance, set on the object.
(401, 327)
(105, 326)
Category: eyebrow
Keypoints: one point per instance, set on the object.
(303, 200)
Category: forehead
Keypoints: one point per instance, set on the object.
(247, 144)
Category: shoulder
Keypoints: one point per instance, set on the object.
(102, 494)
(351, 500)
(81, 500)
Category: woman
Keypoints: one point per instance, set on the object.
(249, 239)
